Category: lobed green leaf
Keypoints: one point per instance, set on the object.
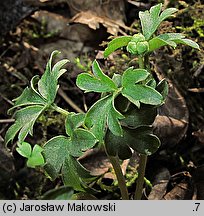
(34, 101)
(188, 42)
(34, 155)
(167, 13)
(80, 141)
(135, 117)
(113, 120)
(103, 113)
(75, 175)
(150, 20)
(132, 76)
(24, 149)
(118, 146)
(171, 39)
(25, 119)
(28, 97)
(57, 71)
(59, 152)
(140, 139)
(98, 82)
(142, 94)
(73, 121)
(48, 84)
(36, 158)
(116, 43)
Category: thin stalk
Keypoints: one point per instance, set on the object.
(141, 62)
(60, 110)
(121, 180)
(143, 158)
(141, 174)
(147, 63)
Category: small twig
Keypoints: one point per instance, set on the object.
(139, 4)
(166, 3)
(5, 121)
(124, 166)
(1, 139)
(6, 99)
(198, 71)
(196, 90)
(69, 101)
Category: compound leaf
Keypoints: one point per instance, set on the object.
(34, 155)
(81, 140)
(140, 139)
(188, 42)
(150, 20)
(73, 121)
(135, 117)
(142, 93)
(59, 152)
(136, 92)
(103, 113)
(132, 76)
(116, 43)
(98, 82)
(48, 84)
(171, 39)
(117, 146)
(75, 175)
(25, 119)
(34, 101)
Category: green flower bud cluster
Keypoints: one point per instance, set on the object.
(138, 45)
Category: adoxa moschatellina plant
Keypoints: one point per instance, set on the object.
(121, 120)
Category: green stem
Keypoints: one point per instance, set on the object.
(143, 158)
(60, 110)
(141, 174)
(141, 61)
(147, 63)
(121, 180)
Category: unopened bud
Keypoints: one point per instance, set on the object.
(138, 38)
(142, 47)
(138, 45)
(132, 47)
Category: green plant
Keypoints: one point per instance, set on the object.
(120, 120)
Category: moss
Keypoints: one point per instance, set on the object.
(196, 14)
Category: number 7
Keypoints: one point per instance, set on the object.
(198, 204)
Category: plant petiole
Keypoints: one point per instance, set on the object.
(121, 180)
(60, 110)
(141, 174)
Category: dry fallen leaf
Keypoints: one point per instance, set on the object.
(160, 183)
(172, 121)
(93, 20)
